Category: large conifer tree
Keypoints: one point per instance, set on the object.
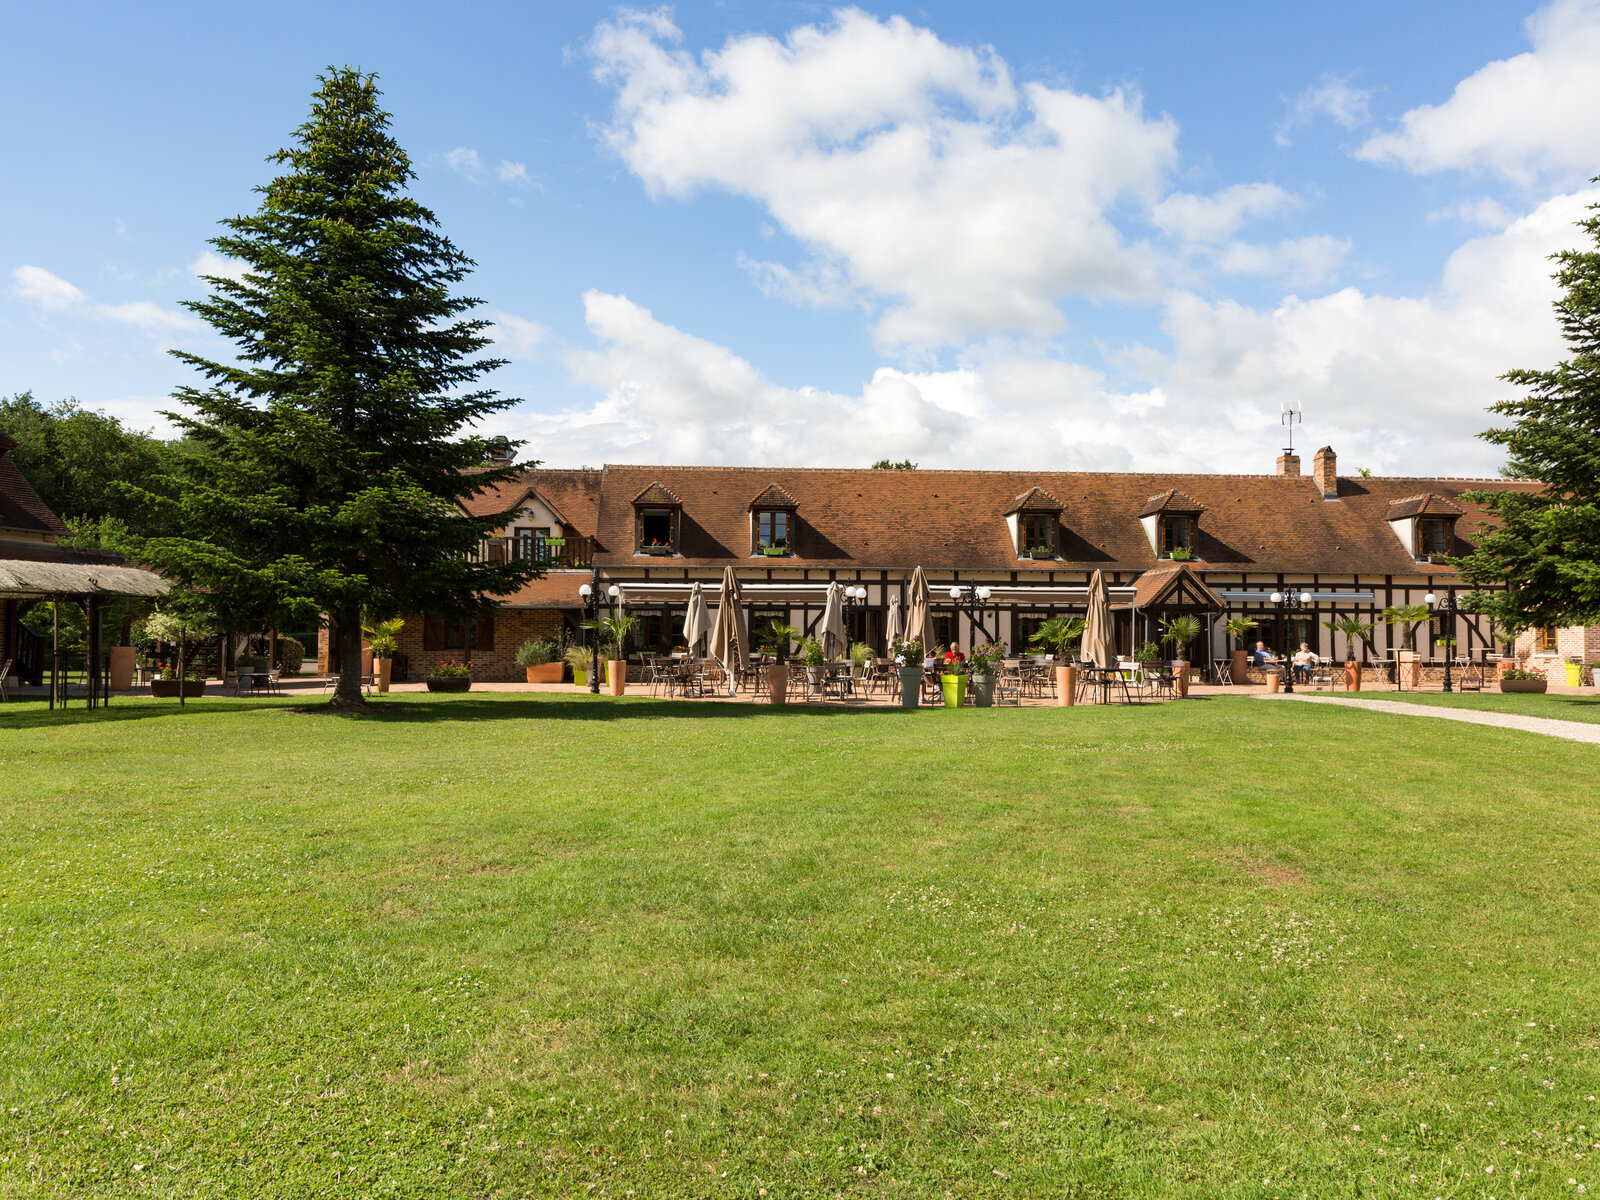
(1546, 548)
(339, 442)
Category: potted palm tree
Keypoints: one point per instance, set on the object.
(615, 628)
(384, 638)
(1239, 628)
(779, 635)
(1061, 633)
(1410, 616)
(1180, 632)
(1354, 630)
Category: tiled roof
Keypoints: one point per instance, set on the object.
(573, 494)
(773, 496)
(1428, 504)
(1155, 587)
(657, 493)
(1035, 499)
(20, 506)
(1172, 501)
(559, 589)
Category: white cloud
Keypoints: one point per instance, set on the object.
(1216, 217)
(1483, 212)
(49, 291)
(52, 294)
(914, 170)
(1299, 262)
(1333, 96)
(469, 164)
(515, 337)
(1523, 117)
(214, 264)
(1397, 383)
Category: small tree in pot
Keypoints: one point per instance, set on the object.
(1240, 628)
(384, 638)
(1180, 632)
(1061, 634)
(1409, 616)
(1354, 630)
(615, 628)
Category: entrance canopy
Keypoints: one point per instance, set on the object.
(22, 579)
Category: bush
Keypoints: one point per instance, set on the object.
(451, 670)
(536, 652)
(291, 653)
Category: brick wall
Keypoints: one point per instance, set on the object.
(1573, 641)
(512, 627)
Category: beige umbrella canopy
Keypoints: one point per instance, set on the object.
(918, 612)
(696, 621)
(830, 630)
(1097, 641)
(897, 624)
(730, 640)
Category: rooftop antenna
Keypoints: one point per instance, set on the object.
(1291, 414)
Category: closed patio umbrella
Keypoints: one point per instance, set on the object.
(696, 621)
(919, 617)
(730, 640)
(1097, 640)
(830, 630)
(897, 624)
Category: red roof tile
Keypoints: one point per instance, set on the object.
(773, 496)
(1035, 499)
(1428, 504)
(1172, 501)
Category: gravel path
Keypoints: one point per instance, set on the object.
(1574, 731)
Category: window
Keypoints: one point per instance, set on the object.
(1176, 532)
(658, 530)
(1548, 642)
(457, 637)
(660, 632)
(772, 531)
(944, 629)
(856, 625)
(1022, 630)
(1433, 536)
(761, 620)
(1038, 535)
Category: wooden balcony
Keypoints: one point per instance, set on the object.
(554, 554)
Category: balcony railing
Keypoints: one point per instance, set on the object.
(552, 553)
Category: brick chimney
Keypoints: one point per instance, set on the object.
(1325, 469)
(1288, 464)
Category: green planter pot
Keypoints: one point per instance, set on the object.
(983, 691)
(581, 679)
(449, 685)
(955, 690)
(910, 686)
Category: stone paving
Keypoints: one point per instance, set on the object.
(1575, 731)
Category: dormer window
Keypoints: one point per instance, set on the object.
(1171, 521)
(1425, 525)
(772, 523)
(1177, 536)
(1035, 519)
(657, 518)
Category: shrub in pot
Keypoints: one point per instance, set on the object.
(1515, 679)
(908, 663)
(779, 635)
(541, 659)
(578, 659)
(1180, 632)
(983, 666)
(814, 659)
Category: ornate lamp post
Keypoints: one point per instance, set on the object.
(1448, 610)
(590, 592)
(1289, 602)
(973, 601)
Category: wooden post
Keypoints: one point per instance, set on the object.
(91, 666)
(55, 651)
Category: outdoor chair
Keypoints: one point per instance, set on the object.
(1322, 675)
(5, 672)
(1008, 684)
(1221, 671)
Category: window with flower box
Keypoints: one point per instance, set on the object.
(658, 530)
(1038, 535)
(1434, 536)
(1177, 536)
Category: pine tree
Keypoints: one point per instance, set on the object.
(1545, 548)
(337, 444)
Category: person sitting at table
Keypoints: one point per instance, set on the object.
(1303, 661)
(930, 661)
(954, 657)
(1261, 656)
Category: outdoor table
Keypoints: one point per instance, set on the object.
(248, 681)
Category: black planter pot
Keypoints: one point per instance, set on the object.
(449, 685)
(167, 689)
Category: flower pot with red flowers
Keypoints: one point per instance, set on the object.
(451, 677)
(1515, 679)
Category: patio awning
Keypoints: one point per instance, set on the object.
(23, 579)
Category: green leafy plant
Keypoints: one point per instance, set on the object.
(1147, 653)
(384, 636)
(860, 653)
(1240, 628)
(1060, 634)
(536, 652)
(778, 635)
(578, 658)
(451, 670)
(987, 658)
(1179, 554)
(811, 653)
(1180, 632)
(614, 629)
(291, 654)
(250, 662)
(908, 652)
(1354, 630)
(1521, 673)
(1408, 615)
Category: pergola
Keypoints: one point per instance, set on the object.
(83, 583)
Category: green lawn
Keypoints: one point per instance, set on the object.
(500, 945)
(1566, 707)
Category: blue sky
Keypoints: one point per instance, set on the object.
(1050, 235)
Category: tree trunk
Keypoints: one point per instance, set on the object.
(347, 623)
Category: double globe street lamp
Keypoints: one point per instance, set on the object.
(973, 600)
(1447, 609)
(590, 594)
(1289, 602)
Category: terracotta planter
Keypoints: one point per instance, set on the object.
(167, 689)
(1180, 678)
(1239, 666)
(616, 676)
(381, 670)
(1531, 686)
(449, 685)
(121, 669)
(1274, 680)
(777, 683)
(1066, 686)
(366, 659)
(546, 672)
(1352, 677)
(1410, 669)
(910, 686)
